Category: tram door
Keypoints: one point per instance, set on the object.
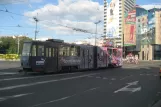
(51, 61)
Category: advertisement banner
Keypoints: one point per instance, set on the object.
(113, 19)
(129, 28)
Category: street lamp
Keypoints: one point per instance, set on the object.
(36, 20)
(96, 30)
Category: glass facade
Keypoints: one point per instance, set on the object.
(157, 52)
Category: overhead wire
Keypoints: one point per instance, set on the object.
(73, 28)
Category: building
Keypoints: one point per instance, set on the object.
(113, 24)
(148, 34)
(140, 23)
(151, 41)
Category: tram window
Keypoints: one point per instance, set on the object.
(83, 54)
(74, 51)
(49, 52)
(101, 53)
(78, 50)
(115, 52)
(40, 50)
(118, 53)
(68, 51)
(53, 52)
(63, 51)
(34, 50)
(109, 51)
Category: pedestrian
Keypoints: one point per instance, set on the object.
(136, 59)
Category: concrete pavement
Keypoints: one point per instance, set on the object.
(137, 86)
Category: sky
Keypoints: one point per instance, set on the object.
(53, 15)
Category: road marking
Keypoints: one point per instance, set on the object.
(7, 73)
(98, 77)
(13, 96)
(129, 89)
(64, 98)
(8, 79)
(125, 77)
(90, 76)
(113, 79)
(104, 78)
(44, 82)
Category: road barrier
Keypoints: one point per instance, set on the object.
(9, 57)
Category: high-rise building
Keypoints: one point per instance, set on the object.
(113, 18)
(105, 16)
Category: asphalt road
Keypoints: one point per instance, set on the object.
(130, 86)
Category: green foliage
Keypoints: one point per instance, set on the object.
(10, 44)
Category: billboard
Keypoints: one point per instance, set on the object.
(113, 19)
(129, 28)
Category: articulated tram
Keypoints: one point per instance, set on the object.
(56, 56)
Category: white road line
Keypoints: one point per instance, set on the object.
(113, 79)
(105, 78)
(44, 82)
(125, 77)
(98, 77)
(64, 98)
(8, 79)
(7, 73)
(13, 96)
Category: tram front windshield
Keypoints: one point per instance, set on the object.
(109, 51)
(26, 49)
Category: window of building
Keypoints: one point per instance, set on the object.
(142, 19)
(34, 50)
(40, 50)
(147, 46)
(142, 46)
(143, 24)
(138, 20)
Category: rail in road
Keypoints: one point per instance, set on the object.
(120, 87)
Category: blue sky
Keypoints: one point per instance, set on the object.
(8, 20)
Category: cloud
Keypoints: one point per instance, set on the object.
(79, 14)
(150, 6)
(19, 1)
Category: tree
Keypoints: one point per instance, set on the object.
(9, 45)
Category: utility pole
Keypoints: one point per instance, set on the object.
(96, 30)
(18, 45)
(36, 20)
(123, 43)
